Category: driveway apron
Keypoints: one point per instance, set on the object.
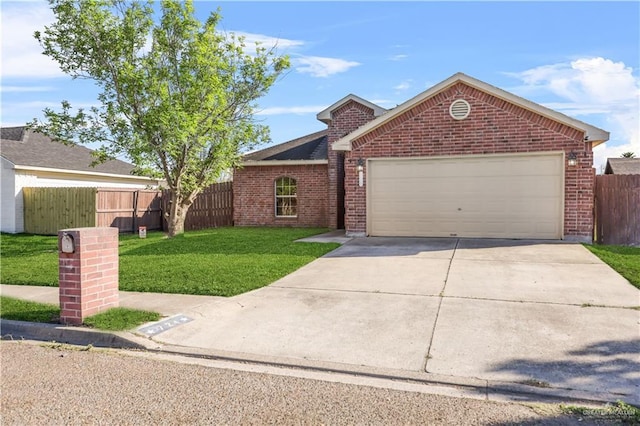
(541, 313)
(547, 314)
(370, 302)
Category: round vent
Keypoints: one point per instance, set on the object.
(459, 109)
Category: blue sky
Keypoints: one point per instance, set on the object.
(579, 58)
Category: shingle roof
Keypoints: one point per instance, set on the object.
(309, 147)
(23, 147)
(623, 166)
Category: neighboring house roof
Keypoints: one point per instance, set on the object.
(27, 149)
(325, 114)
(308, 149)
(595, 135)
(622, 166)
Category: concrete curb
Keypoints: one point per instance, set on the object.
(462, 386)
(21, 330)
(490, 389)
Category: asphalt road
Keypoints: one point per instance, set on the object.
(55, 385)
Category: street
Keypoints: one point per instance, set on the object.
(54, 384)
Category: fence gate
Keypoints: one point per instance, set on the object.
(127, 209)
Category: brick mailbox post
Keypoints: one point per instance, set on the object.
(88, 272)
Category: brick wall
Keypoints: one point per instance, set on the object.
(494, 126)
(88, 277)
(344, 120)
(254, 195)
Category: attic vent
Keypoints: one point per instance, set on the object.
(459, 109)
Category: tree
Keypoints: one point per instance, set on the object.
(628, 154)
(177, 96)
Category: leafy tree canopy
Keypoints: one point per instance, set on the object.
(177, 96)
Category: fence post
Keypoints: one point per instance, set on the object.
(134, 219)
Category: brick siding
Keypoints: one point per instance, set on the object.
(494, 126)
(344, 120)
(254, 195)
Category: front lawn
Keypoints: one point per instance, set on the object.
(625, 260)
(24, 310)
(115, 319)
(219, 262)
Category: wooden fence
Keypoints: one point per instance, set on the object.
(617, 209)
(212, 208)
(47, 210)
(128, 209)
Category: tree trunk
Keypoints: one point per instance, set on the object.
(178, 209)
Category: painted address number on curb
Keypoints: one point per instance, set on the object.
(164, 325)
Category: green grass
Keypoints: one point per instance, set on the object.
(23, 310)
(219, 262)
(625, 260)
(116, 319)
(28, 259)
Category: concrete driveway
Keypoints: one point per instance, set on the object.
(541, 313)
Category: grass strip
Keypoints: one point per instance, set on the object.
(625, 260)
(120, 319)
(25, 310)
(115, 319)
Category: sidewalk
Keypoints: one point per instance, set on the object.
(163, 303)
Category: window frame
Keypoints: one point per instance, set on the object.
(291, 183)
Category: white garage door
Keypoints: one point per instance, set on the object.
(493, 196)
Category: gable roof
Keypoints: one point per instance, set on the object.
(27, 149)
(307, 149)
(594, 134)
(325, 114)
(622, 166)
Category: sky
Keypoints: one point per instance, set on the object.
(579, 58)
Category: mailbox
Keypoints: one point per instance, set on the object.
(66, 243)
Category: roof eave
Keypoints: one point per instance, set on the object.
(268, 163)
(82, 172)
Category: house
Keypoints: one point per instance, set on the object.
(462, 159)
(622, 166)
(29, 159)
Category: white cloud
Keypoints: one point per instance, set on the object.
(603, 151)
(268, 41)
(21, 54)
(299, 110)
(406, 84)
(24, 89)
(316, 66)
(398, 57)
(319, 66)
(595, 87)
(31, 105)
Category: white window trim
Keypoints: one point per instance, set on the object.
(276, 196)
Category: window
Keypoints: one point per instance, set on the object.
(286, 197)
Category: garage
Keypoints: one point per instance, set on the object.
(491, 196)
